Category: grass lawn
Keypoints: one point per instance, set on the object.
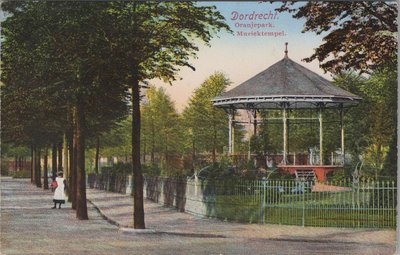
(337, 209)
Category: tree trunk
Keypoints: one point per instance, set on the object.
(45, 169)
(138, 209)
(33, 164)
(81, 206)
(193, 153)
(144, 152)
(378, 159)
(166, 154)
(214, 156)
(65, 157)
(73, 161)
(153, 141)
(71, 180)
(15, 163)
(38, 170)
(60, 156)
(96, 159)
(54, 160)
(20, 163)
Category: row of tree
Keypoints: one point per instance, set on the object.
(167, 137)
(72, 69)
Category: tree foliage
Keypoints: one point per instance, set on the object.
(206, 124)
(358, 35)
(61, 68)
(84, 54)
(152, 40)
(371, 126)
(161, 131)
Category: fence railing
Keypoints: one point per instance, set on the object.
(366, 204)
(114, 182)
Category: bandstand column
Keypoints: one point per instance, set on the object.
(285, 135)
(321, 137)
(341, 133)
(231, 145)
(255, 122)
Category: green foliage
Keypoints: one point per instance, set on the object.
(117, 141)
(390, 164)
(10, 150)
(207, 125)
(4, 169)
(340, 175)
(367, 44)
(161, 134)
(22, 174)
(371, 126)
(302, 134)
(48, 67)
(151, 170)
(118, 168)
(359, 36)
(68, 65)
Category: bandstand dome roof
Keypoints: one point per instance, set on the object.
(285, 83)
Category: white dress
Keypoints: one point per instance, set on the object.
(59, 196)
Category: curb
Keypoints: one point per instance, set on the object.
(129, 230)
(137, 231)
(104, 216)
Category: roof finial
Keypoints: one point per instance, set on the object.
(286, 51)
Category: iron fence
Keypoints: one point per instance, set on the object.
(109, 181)
(365, 204)
(368, 204)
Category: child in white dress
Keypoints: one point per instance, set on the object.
(59, 196)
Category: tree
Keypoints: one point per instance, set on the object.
(25, 116)
(80, 73)
(160, 127)
(359, 35)
(117, 43)
(207, 124)
(116, 141)
(370, 127)
(154, 39)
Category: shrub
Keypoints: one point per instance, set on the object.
(4, 170)
(22, 174)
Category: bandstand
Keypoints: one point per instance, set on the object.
(288, 86)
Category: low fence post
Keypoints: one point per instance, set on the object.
(128, 189)
(264, 182)
(108, 182)
(304, 204)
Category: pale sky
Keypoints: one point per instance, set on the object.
(242, 57)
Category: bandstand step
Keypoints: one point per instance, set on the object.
(305, 174)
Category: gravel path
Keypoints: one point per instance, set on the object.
(29, 226)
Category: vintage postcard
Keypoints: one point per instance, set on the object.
(209, 127)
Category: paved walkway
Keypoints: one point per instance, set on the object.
(29, 226)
